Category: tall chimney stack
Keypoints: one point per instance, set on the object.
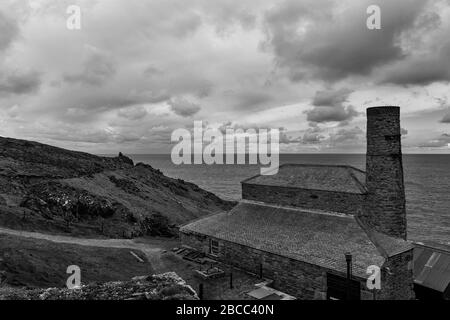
(384, 208)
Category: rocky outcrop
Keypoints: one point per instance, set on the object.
(54, 199)
(167, 286)
(28, 160)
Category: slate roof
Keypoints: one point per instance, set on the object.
(315, 177)
(314, 237)
(432, 268)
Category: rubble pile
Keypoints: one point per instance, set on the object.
(167, 286)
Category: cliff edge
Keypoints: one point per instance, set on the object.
(49, 189)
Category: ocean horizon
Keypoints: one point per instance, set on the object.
(427, 181)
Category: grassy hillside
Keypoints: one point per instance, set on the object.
(44, 188)
(41, 263)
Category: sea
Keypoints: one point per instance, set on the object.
(427, 183)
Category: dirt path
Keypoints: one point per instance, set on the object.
(152, 252)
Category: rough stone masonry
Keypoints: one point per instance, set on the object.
(385, 205)
(297, 226)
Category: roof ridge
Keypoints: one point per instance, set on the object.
(320, 165)
(361, 186)
(205, 216)
(301, 176)
(305, 210)
(371, 234)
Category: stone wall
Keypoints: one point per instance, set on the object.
(303, 280)
(349, 203)
(398, 278)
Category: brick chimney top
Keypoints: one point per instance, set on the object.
(383, 110)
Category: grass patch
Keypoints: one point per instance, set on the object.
(42, 263)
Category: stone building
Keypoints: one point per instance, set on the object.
(297, 227)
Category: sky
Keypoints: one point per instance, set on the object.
(139, 69)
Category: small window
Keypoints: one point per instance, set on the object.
(214, 247)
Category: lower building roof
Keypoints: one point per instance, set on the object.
(334, 178)
(432, 268)
(314, 237)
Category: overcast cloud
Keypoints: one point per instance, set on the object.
(139, 69)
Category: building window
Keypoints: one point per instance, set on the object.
(214, 247)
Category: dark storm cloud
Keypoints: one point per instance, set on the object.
(97, 69)
(153, 71)
(250, 99)
(257, 62)
(446, 118)
(331, 98)
(421, 70)
(226, 15)
(333, 46)
(8, 31)
(183, 107)
(133, 113)
(423, 67)
(19, 83)
(186, 25)
(331, 114)
(78, 104)
(329, 107)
